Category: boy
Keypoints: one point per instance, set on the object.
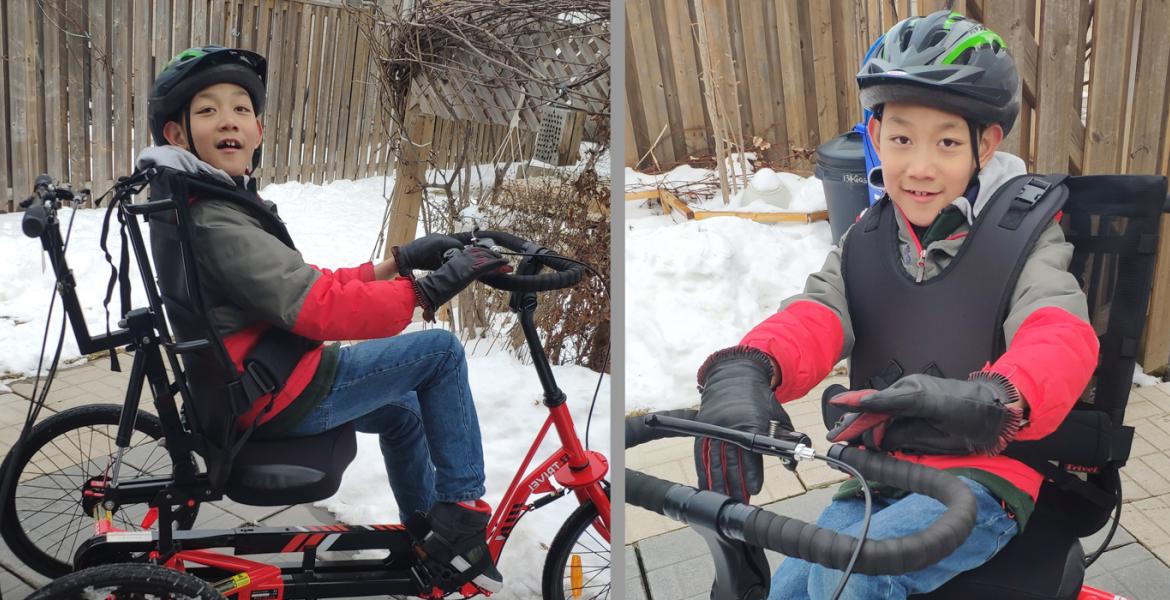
(958, 380)
(411, 389)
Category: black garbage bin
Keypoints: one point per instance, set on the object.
(841, 169)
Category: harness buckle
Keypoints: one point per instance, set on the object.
(1032, 191)
(260, 376)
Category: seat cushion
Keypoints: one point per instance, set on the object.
(291, 471)
(1042, 563)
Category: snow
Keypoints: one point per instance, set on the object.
(697, 286)
(333, 225)
(1140, 379)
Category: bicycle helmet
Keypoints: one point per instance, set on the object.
(195, 69)
(946, 61)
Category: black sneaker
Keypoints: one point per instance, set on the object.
(455, 551)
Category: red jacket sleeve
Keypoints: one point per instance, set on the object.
(1050, 360)
(805, 340)
(363, 272)
(347, 309)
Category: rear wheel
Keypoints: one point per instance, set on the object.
(44, 520)
(577, 567)
(131, 581)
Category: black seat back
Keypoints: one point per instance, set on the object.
(1112, 221)
(269, 472)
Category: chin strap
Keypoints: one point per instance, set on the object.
(974, 150)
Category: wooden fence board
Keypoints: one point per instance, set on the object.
(357, 101)
(671, 87)
(723, 68)
(824, 70)
(642, 42)
(340, 91)
(304, 44)
(755, 56)
(779, 135)
(181, 27)
(1057, 71)
(199, 23)
(342, 106)
(79, 138)
(142, 73)
(799, 90)
(325, 100)
(6, 196)
(307, 169)
(100, 86)
(1149, 88)
(1109, 89)
(54, 123)
(121, 30)
(22, 98)
(216, 20)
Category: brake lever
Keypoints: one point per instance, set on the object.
(790, 448)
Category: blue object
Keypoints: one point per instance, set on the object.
(871, 158)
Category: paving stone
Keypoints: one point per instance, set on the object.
(671, 548)
(684, 580)
(1148, 579)
(13, 587)
(634, 588)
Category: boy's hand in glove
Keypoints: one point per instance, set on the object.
(462, 267)
(425, 253)
(932, 415)
(736, 385)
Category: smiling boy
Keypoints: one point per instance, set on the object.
(270, 307)
(912, 296)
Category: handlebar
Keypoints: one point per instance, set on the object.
(807, 541)
(565, 273)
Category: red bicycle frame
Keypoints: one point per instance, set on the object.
(583, 475)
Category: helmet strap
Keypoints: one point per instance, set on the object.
(974, 148)
(187, 126)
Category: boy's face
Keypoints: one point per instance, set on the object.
(926, 157)
(224, 127)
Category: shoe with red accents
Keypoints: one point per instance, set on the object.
(455, 552)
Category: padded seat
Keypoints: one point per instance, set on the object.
(309, 468)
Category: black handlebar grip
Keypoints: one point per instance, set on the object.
(567, 273)
(793, 537)
(647, 491)
(638, 432)
(35, 219)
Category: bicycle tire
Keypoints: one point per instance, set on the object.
(128, 581)
(43, 521)
(576, 537)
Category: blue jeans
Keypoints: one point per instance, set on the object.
(412, 391)
(798, 579)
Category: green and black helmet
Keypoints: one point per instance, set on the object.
(946, 61)
(195, 69)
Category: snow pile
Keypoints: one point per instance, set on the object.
(1142, 380)
(806, 194)
(698, 286)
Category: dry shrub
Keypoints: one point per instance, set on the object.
(568, 214)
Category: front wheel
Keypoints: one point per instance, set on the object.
(136, 581)
(577, 567)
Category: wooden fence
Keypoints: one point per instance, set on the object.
(1095, 96)
(78, 74)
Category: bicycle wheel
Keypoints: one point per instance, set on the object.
(130, 581)
(44, 521)
(577, 567)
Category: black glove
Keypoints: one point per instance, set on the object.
(736, 392)
(932, 415)
(425, 253)
(462, 267)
